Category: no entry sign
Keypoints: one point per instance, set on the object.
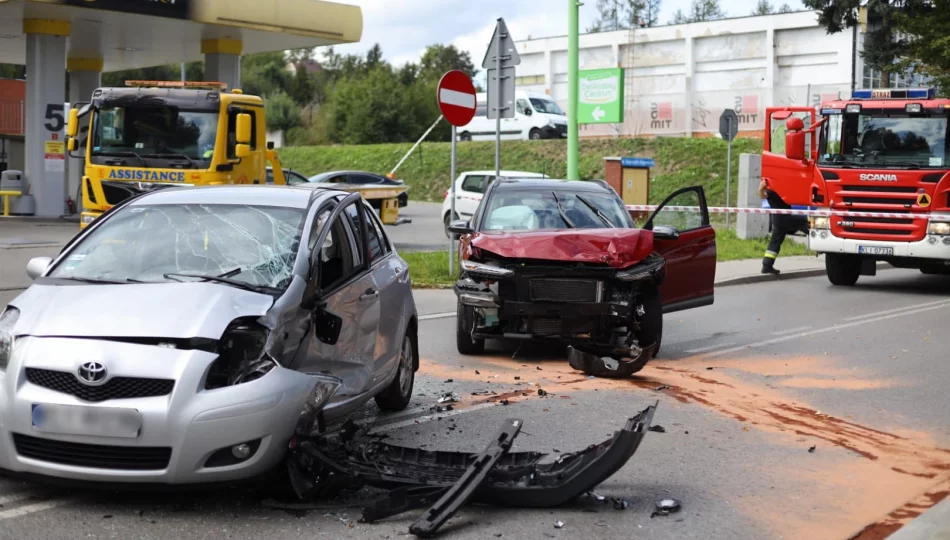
(456, 96)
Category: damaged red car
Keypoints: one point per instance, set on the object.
(564, 260)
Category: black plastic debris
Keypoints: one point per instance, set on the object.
(657, 429)
(812, 449)
(664, 387)
(666, 507)
(517, 378)
(449, 381)
(477, 372)
(538, 368)
(444, 408)
(559, 524)
(542, 392)
(621, 504)
(709, 369)
(504, 402)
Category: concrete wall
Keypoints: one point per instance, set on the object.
(680, 78)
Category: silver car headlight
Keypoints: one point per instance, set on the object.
(241, 356)
(7, 322)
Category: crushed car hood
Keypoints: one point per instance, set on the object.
(618, 248)
(166, 310)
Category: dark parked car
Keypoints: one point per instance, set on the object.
(292, 177)
(551, 259)
(361, 178)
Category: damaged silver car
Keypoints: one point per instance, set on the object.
(189, 334)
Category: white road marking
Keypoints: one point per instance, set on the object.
(14, 497)
(826, 330)
(431, 417)
(895, 310)
(33, 508)
(443, 315)
(791, 331)
(710, 348)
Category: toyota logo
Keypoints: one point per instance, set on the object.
(92, 373)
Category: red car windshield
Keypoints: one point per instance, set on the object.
(527, 210)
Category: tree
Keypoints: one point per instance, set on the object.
(763, 8)
(651, 15)
(927, 43)
(785, 9)
(303, 87)
(620, 14)
(699, 11)
(437, 59)
(374, 57)
(282, 112)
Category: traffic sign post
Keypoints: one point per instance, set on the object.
(456, 97)
(500, 61)
(728, 129)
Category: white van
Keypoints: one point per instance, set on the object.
(537, 116)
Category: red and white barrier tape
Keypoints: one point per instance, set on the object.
(793, 212)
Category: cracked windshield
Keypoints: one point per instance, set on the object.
(255, 245)
(900, 140)
(150, 132)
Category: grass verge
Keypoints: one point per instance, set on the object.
(430, 269)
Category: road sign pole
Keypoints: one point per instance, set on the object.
(498, 74)
(572, 84)
(452, 205)
(729, 174)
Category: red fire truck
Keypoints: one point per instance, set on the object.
(881, 156)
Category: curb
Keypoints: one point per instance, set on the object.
(792, 274)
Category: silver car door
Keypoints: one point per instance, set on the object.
(391, 276)
(347, 291)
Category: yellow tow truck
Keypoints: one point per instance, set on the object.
(157, 134)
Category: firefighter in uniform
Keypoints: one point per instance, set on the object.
(782, 226)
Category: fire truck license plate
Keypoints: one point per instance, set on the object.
(875, 250)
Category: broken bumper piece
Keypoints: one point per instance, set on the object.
(598, 366)
(447, 480)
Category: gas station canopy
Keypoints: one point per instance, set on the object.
(128, 34)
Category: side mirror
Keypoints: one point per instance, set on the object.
(460, 226)
(528, 112)
(795, 145)
(38, 266)
(71, 144)
(242, 151)
(72, 127)
(243, 131)
(665, 232)
(270, 145)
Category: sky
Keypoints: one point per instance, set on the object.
(404, 28)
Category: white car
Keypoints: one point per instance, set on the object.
(469, 188)
(537, 116)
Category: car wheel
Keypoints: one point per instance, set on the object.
(396, 397)
(842, 269)
(534, 135)
(464, 341)
(465, 136)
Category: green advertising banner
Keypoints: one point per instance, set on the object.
(600, 96)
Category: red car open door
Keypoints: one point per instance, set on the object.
(793, 178)
(684, 237)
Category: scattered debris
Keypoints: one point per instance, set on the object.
(665, 507)
(444, 408)
(477, 372)
(658, 428)
(504, 402)
(621, 504)
(449, 397)
(449, 381)
(542, 392)
(596, 497)
(589, 377)
(709, 369)
(107, 516)
(812, 449)
(559, 524)
(517, 378)
(539, 368)
(664, 387)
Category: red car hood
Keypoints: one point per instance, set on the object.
(619, 248)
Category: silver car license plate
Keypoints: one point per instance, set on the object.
(78, 420)
(875, 250)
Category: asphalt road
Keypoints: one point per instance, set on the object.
(754, 381)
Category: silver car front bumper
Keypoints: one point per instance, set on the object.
(189, 424)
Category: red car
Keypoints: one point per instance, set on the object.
(552, 259)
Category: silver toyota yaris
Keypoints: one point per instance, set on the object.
(189, 334)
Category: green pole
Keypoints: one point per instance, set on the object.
(573, 7)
